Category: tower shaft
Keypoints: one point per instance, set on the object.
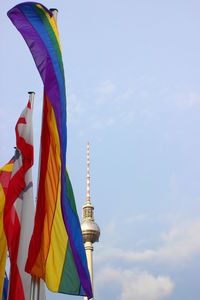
(88, 251)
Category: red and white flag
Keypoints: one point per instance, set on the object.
(19, 209)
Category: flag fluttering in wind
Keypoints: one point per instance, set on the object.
(5, 174)
(56, 251)
(19, 208)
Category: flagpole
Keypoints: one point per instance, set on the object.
(55, 13)
(36, 288)
(33, 280)
(31, 289)
(31, 95)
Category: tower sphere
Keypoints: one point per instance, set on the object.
(90, 231)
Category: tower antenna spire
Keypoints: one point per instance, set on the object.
(88, 173)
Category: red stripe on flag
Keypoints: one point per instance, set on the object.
(25, 148)
(18, 292)
(41, 207)
(12, 228)
(16, 186)
(29, 104)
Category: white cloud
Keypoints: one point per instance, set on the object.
(179, 245)
(106, 88)
(138, 218)
(75, 106)
(126, 95)
(172, 235)
(116, 254)
(188, 101)
(105, 92)
(107, 105)
(134, 284)
(104, 123)
(127, 117)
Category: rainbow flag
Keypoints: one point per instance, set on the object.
(56, 251)
(5, 174)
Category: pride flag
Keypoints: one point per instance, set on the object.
(56, 251)
(5, 174)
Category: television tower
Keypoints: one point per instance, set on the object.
(90, 229)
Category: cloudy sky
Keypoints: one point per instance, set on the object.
(133, 83)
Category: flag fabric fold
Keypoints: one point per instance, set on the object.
(5, 174)
(5, 288)
(19, 208)
(56, 251)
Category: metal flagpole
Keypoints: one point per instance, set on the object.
(33, 282)
(36, 288)
(31, 288)
(55, 13)
(9, 274)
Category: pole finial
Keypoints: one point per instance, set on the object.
(55, 13)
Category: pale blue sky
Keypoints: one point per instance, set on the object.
(133, 83)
